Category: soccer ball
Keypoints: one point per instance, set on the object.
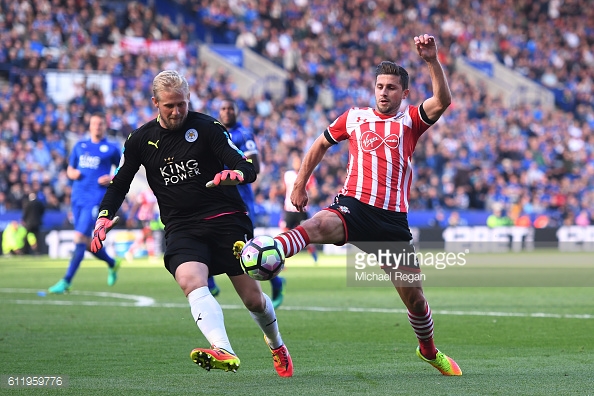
(262, 258)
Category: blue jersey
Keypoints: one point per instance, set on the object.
(92, 160)
(243, 138)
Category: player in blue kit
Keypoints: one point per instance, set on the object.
(89, 167)
(243, 138)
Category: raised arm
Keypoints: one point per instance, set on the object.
(442, 97)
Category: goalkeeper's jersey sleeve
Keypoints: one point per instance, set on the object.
(178, 165)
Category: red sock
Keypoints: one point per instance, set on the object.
(293, 241)
(422, 324)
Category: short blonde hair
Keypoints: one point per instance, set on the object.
(170, 80)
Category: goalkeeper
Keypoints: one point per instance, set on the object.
(184, 154)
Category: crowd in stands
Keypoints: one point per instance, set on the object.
(530, 159)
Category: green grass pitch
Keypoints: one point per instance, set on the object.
(135, 338)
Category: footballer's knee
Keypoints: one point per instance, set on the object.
(324, 227)
(188, 287)
(255, 303)
(413, 298)
(189, 283)
(418, 305)
(313, 227)
(81, 238)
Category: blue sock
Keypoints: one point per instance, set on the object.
(277, 287)
(77, 257)
(102, 255)
(211, 283)
(276, 283)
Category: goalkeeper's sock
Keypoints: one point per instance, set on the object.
(422, 324)
(267, 322)
(293, 241)
(208, 315)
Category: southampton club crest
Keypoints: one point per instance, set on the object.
(191, 135)
(344, 209)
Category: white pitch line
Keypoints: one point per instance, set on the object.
(444, 312)
(139, 301)
(144, 301)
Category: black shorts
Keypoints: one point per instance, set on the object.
(372, 229)
(210, 242)
(293, 219)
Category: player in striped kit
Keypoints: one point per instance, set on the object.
(373, 203)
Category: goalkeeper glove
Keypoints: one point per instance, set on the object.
(102, 227)
(226, 178)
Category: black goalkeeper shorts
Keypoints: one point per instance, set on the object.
(210, 242)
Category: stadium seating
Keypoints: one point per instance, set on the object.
(531, 159)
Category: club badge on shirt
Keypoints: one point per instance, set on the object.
(191, 135)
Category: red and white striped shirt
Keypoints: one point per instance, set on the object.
(380, 154)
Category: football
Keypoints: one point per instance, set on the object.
(262, 258)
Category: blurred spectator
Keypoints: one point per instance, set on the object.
(14, 238)
(523, 221)
(33, 211)
(583, 218)
(142, 215)
(498, 218)
(439, 220)
(455, 220)
(542, 221)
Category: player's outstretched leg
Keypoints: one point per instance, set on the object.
(215, 358)
(445, 364)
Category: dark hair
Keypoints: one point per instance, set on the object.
(388, 67)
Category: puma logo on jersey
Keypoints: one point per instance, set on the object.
(156, 144)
